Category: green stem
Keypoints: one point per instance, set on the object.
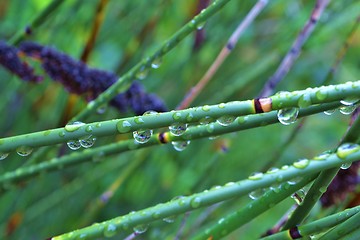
(36, 22)
(206, 198)
(213, 129)
(303, 98)
(317, 226)
(237, 219)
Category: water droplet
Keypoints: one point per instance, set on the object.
(225, 120)
(150, 112)
(156, 215)
(123, 126)
(102, 109)
(206, 108)
(47, 133)
(189, 117)
(3, 155)
(142, 73)
(302, 163)
(180, 145)
(304, 100)
(88, 129)
(206, 120)
(287, 116)
(176, 116)
(256, 176)
(139, 229)
(272, 170)
(349, 101)
(299, 196)
(222, 105)
(142, 136)
(323, 155)
(195, 202)
(210, 128)
(138, 120)
(321, 95)
(87, 141)
(346, 110)
(156, 62)
(345, 165)
(61, 134)
(110, 230)
(256, 193)
(74, 144)
(24, 151)
(345, 149)
(178, 129)
(170, 219)
(294, 181)
(242, 120)
(200, 26)
(73, 126)
(329, 112)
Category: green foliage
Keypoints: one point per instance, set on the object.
(60, 199)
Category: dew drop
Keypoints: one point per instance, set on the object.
(256, 176)
(206, 120)
(87, 141)
(210, 128)
(180, 145)
(200, 26)
(345, 165)
(170, 219)
(287, 116)
(142, 73)
(73, 126)
(195, 202)
(323, 155)
(189, 117)
(272, 170)
(24, 151)
(178, 129)
(329, 112)
(345, 149)
(321, 95)
(3, 155)
(294, 181)
(222, 105)
(156, 215)
(346, 110)
(256, 193)
(225, 120)
(123, 126)
(102, 109)
(139, 229)
(349, 101)
(138, 120)
(176, 116)
(142, 136)
(110, 230)
(156, 62)
(206, 108)
(323, 189)
(299, 196)
(242, 120)
(61, 134)
(88, 129)
(304, 100)
(74, 144)
(301, 164)
(150, 112)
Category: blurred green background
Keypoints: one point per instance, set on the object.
(59, 202)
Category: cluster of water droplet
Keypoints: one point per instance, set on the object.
(142, 135)
(85, 141)
(348, 106)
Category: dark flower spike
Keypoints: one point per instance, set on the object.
(10, 60)
(78, 78)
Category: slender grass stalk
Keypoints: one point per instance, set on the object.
(194, 92)
(354, 235)
(124, 81)
(295, 49)
(295, 99)
(235, 220)
(206, 198)
(213, 129)
(317, 226)
(36, 22)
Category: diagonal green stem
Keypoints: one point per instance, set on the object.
(303, 98)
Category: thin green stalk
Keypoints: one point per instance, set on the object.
(213, 129)
(124, 81)
(179, 206)
(355, 235)
(303, 98)
(240, 217)
(317, 226)
(343, 228)
(36, 22)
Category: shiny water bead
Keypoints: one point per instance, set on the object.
(87, 141)
(74, 144)
(294, 181)
(3, 155)
(346, 110)
(345, 165)
(73, 126)
(257, 193)
(347, 148)
(170, 219)
(206, 120)
(139, 229)
(349, 101)
(329, 112)
(323, 155)
(102, 109)
(256, 176)
(142, 136)
(299, 196)
(287, 116)
(304, 100)
(178, 129)
(156, 62)
(142, 73)
(301, 164)
(180, 145)
(225, 120)
(110, 230)
(24, 151)
(200, 25)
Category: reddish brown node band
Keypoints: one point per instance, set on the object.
(294, 233)
(262, 105)
(162, 138)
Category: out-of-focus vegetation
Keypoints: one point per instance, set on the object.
(59, 202)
